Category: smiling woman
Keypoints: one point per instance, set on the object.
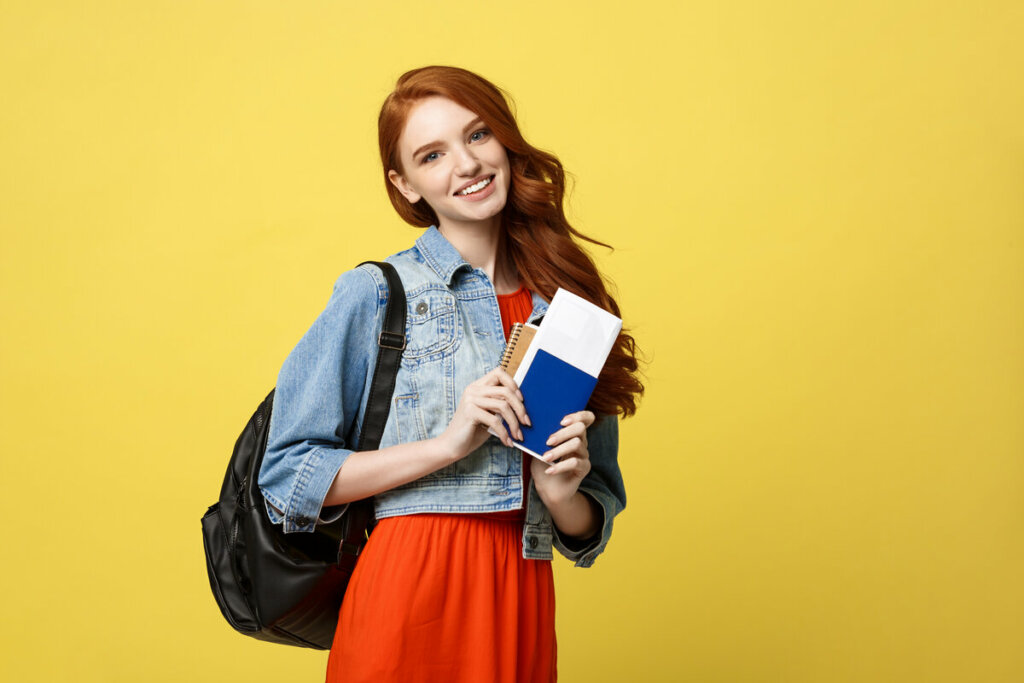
(463, 175)
(455, 581)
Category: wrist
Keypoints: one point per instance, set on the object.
(556, 503)
(443, 450)
(576, 517)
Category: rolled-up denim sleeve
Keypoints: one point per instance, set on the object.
(604, 485)
(317, 402)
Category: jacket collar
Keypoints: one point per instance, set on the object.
(440, 254)
(445, 260)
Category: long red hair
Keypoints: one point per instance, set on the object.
(536, 235)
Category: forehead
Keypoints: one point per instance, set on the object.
(434, 118)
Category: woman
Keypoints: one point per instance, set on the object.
(455, 582)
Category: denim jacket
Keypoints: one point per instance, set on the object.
(454, 336)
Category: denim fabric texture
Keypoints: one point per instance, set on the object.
(453, 336)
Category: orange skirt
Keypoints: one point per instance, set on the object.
(440, 597)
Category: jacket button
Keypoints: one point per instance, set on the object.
(302, 521)
(532, 542)
(421, 307)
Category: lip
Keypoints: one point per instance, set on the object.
(473, 182)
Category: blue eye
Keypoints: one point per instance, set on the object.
(429, 157)
(482, 133)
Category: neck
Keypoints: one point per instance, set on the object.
(478, 244)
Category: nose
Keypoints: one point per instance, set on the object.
(466, 162)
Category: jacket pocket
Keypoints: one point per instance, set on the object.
(408, 421)
(430, 324)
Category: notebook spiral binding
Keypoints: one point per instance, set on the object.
(510, 347)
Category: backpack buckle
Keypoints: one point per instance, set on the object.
(390, 340)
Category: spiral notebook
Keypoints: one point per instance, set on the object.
(556, 364)
(515, 349)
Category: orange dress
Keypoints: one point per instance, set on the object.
(449, 597)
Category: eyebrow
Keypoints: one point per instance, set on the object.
(469, 125)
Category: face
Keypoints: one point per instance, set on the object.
(452, 161)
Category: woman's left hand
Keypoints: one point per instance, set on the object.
(558, 477)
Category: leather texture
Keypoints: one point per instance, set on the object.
(288, 588)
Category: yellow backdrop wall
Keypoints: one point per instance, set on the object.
(817, 209)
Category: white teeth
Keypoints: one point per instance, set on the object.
(475, 188)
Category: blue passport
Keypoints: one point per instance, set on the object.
(551, 390)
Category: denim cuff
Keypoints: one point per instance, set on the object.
(584, 551)
(312, 481)
(273, 511)
(332, 514)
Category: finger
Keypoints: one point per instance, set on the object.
(506, 380)
(513, 400)
(512, 419)
(584, 416)
(576, 429)
(567, 466)
(487, 419)
(491, 379)
(498, 406)
(572, 447)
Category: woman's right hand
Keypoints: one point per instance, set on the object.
(484, 404)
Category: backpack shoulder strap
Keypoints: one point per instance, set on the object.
(391, 343)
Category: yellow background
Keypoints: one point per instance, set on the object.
(818, 213)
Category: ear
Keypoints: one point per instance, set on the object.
(403, 186)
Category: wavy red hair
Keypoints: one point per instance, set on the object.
(536, 235)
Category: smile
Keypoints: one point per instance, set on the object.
(475, 188)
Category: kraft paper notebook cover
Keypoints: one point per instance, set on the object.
(558, 363)
(518, 341)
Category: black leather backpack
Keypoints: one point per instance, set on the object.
(288, 588)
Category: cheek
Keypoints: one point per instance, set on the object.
(433, 183)
(496, 155)
(500, 160)
(508, 176)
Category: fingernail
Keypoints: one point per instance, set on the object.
(565, 420)
(549, 470)
(550, 441)
(520, 435)
(526, 419)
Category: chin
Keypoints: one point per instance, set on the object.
(491, 211)
(500, 207)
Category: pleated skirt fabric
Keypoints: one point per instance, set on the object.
(446, 598)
